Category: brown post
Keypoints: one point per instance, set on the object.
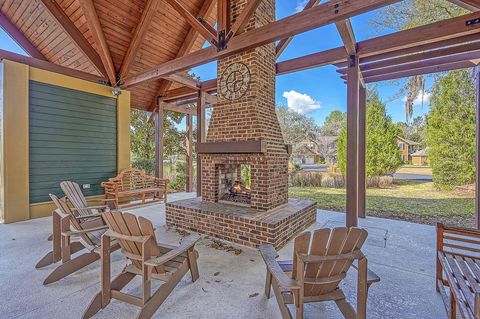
(362, 138)
(353, 83)
(200, 137)
(188, 155)
(159, 128)
(477, 179)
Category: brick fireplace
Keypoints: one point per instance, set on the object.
(244, 134)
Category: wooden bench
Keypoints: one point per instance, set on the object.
(134, 185)
(458, 268)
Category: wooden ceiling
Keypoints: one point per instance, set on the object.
(62, 35)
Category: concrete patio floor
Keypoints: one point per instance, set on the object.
(230, 286)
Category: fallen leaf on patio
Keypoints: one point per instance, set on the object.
(217, 273)
(217, 244)
(204, 290)
(182, 232)
(253, 295)
(218, 281)
(252, 260)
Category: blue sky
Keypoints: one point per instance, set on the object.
(315, 92)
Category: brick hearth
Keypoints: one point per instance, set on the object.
(242, 225)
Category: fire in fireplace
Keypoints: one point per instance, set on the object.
(235, 184)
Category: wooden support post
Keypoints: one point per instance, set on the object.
(477, 185)
(188, 155)
(353, 84)
(201, 138)
(362, 139)
(159, 143)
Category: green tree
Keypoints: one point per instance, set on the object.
(296, 128)
(451, 130)
(382, 153)
(334, 123)
(414, 131)
(142, 137)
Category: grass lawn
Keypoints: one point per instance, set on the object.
(407, 200)
(414, 170)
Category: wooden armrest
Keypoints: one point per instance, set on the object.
(269, 255)
(102, 200)
(70, 233)
(186, 244)
(371, 276)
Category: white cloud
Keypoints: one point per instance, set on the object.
(300, 5)
(299, 102)
(422, 98)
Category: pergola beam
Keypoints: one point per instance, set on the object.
(95, 27)
(20, 38)
(138, 36)
(472, 5)
(77, 37)
(243, 19)
(345, 30)
(194, 22)
(298, 23)
(283, 43)
(185, 80)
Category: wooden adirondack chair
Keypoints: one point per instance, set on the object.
(320, 263)
(148, 259)
(75, 196)
(87, 229)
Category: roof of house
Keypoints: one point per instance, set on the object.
(420, 153)
(406, 141)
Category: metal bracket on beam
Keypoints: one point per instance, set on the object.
(472, 22)
(222, 41)
(352, 61)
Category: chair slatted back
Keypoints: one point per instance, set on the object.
(327, 242)
(92, 238)
(129, 225)
(75, 196)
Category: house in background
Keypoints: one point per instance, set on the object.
(419, 157)
(321, 150)
(407, 148)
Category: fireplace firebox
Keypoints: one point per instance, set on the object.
(234, 184)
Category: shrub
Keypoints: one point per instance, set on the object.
(145, 165)
(334, 180)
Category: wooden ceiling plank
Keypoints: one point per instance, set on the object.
(283, 43)
(95, 28)
(80, 42)
(310, 19)
(421, 71)
(472, 5)
(474, 46)
(138, 36)
(244, 18)
(194, 22)
(345, 30)
(19, 37)
(45, 65)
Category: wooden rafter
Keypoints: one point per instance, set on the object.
(190, 39)
(45, 65)
(472, 5)
(420, 71)
(345, 30)
(312, 61)
(78, 39)
(99, 38)
(185, 80)
(243, 19)
(19, 37)
(194, 22)
(453, 50)
(283, 43)
(138, 36)
(223, 15)
(298, 23)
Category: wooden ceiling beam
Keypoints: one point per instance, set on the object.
(79, 40)
(421, 71)
(194, 22)
(415, 49)
(138, 36)
(312, 61)
(472, 5)
(243, 19)
(185, 80)
(453, 50)
(95, 27)
(223, 16)
(310, 19)
(283, 43)
(18, 36)
(345, 30)
(172, 107)
(45, 65)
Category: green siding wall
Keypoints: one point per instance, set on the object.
(73, 136)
